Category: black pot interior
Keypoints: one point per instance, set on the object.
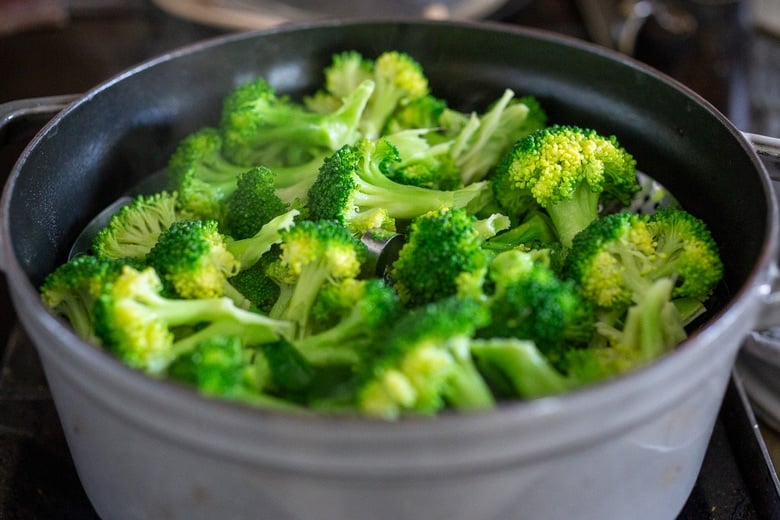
(126, 129)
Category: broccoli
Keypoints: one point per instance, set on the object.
(426, 363)
(531, 302)
(254, 283)
(618, 256)
(345, 73)
(362, 311)
(72, 289)
(399, 80)
(144, 329)
(568, 171)
(133, 230)
(535, 230)
(422, 113)
(248, 251)
(192, 260)
(353, 182)
(515, 367)
(262, 128)
(442, 245)
(254, 203)
(485, 139)
(201, 174)
(420, 163)
(313, 255)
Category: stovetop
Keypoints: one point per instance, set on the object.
(727, 62)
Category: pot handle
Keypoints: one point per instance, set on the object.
(769, 316)
(25, 110)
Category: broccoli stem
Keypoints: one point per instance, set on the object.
(570, 216)
(466, 388)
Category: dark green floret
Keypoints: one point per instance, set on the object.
(442, 246)
(254, 203)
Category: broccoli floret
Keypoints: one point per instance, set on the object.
(313, 254)
(143, 328)
(534, 231)
(362, 309)
(568, 171)
(133, 230)
(421, 163)
(201, 174)
(617, 257)
(192, 260)
(255, 285)
(72, 289)
(345, 73)
(422, 113)
(515, 368)
(442, 245)
(531, 303)
(248, 251)
(426, 363)
(353, 182)
(254, 203)
(261, 127)
(399, 80)
(484, 140)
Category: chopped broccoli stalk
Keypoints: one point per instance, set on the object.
(248, 251)
(72, 289)
(566, 170)
(201, 174)
(517, 364)
(441, 246)
(139, 325)
(353, 181)
(261, 127)
(426, 363)
(133, 230)
(399, 80)
(486, 138)
(314, 254)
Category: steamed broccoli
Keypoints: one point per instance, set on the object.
(133, 230)
(617, 257)
(421, 163)
(313, 255)
(353, 182)
(72, 289)
(357, 313)
(144, 328)
(248, 251)
(192, 260)
(255, 285)
(262, 128)
(347, 70)
(255, 202)
(426, 363)
(201, 174)
(442, 246)
(568, 171)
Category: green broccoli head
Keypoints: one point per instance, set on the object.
(144, 329)
(566, 170)
(133, 230)
(421, 113)
(354, 182)
(442, 245)
(313, 255)
(192, 259)
(255, 284)
(201, 174)
(253, 204)
(72, 289)
(261, 127)
(426, 363)
(421, 163)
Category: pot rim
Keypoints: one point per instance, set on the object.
(80, 358)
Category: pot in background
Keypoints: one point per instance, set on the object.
(627, 448)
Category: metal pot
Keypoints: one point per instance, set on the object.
(628, 448)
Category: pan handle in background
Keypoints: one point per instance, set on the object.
(17, 117)
(764, 145)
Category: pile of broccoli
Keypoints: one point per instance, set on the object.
(249, 278)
